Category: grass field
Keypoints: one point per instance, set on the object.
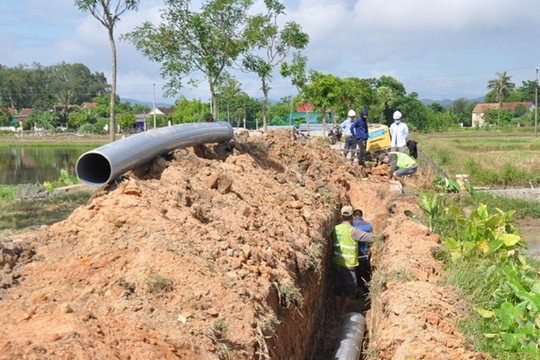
(499, 159)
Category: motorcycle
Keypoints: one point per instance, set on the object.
(335, 135)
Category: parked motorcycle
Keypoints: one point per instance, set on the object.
(335, 135)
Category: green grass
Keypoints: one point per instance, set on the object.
(7, 192)
(489, 158)
(21, 215)
(523, 208)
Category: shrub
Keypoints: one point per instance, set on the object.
(87, 128)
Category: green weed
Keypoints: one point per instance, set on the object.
(524, 208)
(65, 179)
(288, 294)
(314, 255)
(8, 192)
(158, 284)
(26, 214)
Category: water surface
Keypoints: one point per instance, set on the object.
(32, 165)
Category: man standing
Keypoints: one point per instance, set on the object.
(399, 132)
(363, 271)
(345, 240)
(350, 140)
(359, 128)
(401, 164)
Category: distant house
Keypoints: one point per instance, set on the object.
(89, 104)
(23, 115)
(302, 113)
(479, 111)
(141, 122)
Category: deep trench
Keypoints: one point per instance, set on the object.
(326, 339)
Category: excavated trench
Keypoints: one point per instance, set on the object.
(223, 252)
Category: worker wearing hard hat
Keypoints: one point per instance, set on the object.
(350, 139)
(345, 239)
(399, 132)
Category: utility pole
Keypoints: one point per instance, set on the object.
(154, 109)
(536, 104)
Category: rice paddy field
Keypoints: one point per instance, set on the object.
(491, 158)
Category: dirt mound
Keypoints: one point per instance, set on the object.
(219, 252)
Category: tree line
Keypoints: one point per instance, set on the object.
(213, 41)
(56, 93)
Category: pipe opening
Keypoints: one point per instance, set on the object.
(93, 169)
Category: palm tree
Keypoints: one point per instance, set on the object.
(502, 86)
(386, 96)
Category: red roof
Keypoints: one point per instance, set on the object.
(304, 108)
(89, 104)
(9, 110)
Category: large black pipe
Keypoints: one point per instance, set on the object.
(104, 164)
(349, 344)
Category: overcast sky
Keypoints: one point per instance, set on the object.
(441, 49)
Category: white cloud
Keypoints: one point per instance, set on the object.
(439, 49)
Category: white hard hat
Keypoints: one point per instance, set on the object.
(397, 115)
(352, 112)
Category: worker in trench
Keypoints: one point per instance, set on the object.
(345, 240)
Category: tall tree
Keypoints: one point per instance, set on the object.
(73, 84)
(207, 41)
(325, 92)
(386, 97)
(296, 71)
(462, 108)
(270, 46)
(228, 90)
(501, 86)
(108, 13)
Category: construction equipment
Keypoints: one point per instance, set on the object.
(378, 140)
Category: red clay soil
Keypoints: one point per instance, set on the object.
(222, 252)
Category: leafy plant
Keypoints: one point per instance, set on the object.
(446, 184)
(431, 207)
(65, 179)
(486, 263)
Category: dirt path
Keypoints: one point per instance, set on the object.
(221, 252)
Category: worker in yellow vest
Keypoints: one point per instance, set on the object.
(401, 164)
(345, 240)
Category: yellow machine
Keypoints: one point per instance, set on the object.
(379, 139)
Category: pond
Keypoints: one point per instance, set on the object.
(31, 165)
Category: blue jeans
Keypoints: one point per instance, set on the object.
(406, 171)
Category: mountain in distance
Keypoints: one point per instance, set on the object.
(448, 102)
(443, 102)
(134, 102)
